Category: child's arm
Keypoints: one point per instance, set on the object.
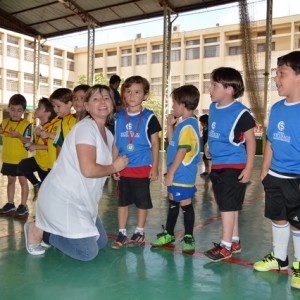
(47, 135)
(268, 153)
(250, 150)
(115, 152)
(34, 147)
(171, 121)
(176, 163)
(155, 153)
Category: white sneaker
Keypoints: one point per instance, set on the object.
(33, 249)
(45, 245)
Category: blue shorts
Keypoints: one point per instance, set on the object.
(181, 193)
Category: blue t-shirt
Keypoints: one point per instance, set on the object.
(284, 135)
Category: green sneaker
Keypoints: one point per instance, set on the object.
(295, 281)
(269, 262)
(163, 239)
(188, 243)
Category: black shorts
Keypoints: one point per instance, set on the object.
(282, 196)
(134, 190)
(229, 192)
(11, 170)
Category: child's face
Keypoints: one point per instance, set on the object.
(40, 111)
(61, 108)
(16, 112)
(78, 101)
(178, 108)
(287, 83)
(100, 105)
(134, 95)
(217, 92)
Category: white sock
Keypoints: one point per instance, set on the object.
(235, 239)
(140, 230)
(281, 235)
(296, 241)
(123, 231)
(226, 244)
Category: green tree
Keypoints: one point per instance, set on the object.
(155, 105)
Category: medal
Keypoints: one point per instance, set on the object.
(130, 147)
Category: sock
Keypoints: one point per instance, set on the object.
(139, 230)
(296, 242)
(188, 218)
(281, 235)
(172, 216)
(235, 239)
(226, 244)
(123, 231)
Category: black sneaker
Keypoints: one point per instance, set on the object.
(22, 210)
(8, 208)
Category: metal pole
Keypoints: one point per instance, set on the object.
(36, 73)
(91, 53)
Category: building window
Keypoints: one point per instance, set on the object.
(235, 50)
(111, 70)
(206, 76)
(175, 78)
(206, 86)
(70, 85)
(176, 45)
(211, 40)
(262, 47)
(58, 52)
(112, 53)
(126, 61)
(12, 40)
(192, 42)
(157, 57)
(99, 71)
(44, 49)
(234, 37)
(263, 33)
(126, 51)
(211, 51)
(28, 77)
(57, 82)
(44, 79)
(12, 51)
(44, 59)
(29, 44)
(99, 54)
(157, 89)
(28, 87)
(12, 85)
(156, 80)
(12, 74)
(44, 90)
(70, 65)
(28, 55)
(157, 47)
(141, 59)
(141, 49)
(192, 53)
(70, 55)
(58, 62)
(175, 55)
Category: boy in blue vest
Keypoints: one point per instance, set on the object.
(183, 156)
(281, 169)
(231, 145)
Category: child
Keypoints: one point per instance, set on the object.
(231, 144)
(61, 99)
(183, 155)
(78, 99)
(114, 83)
(15, 133)
(281, 169)
(136, 136)
(39, 162)
(204, 124)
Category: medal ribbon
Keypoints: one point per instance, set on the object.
(137, 127)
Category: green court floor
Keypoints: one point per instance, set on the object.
(146, 273)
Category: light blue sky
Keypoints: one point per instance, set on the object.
(200, 19)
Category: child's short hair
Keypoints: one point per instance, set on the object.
(17, 99)
(81, 87)
(62, 94)
(137, 79)
(48, 107)
(188, 95)
(291, 59)
(229, 77)
(204, 119)
(114, 78)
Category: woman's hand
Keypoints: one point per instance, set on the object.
(120, 163)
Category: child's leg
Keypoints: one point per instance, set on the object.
(235, 233)
(228, 222)
(11, 185)
(188, 215)
(122, 216)
(24, 189)
(172, 216)
(141, 217)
